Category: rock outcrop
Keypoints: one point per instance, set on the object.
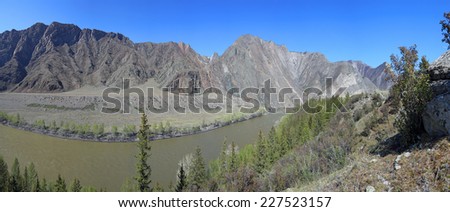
(62, 57)
(437, 113)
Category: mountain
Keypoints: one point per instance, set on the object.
(62, 57)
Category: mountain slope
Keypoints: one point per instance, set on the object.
(63, 57)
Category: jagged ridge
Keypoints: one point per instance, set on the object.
(62, 57)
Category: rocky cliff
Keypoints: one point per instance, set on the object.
(62, 57)
(437, 113)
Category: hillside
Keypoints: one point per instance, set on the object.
(377, 160)
(62, 57)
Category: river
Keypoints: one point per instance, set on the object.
(107, 165)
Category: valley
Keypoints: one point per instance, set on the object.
(108, 165)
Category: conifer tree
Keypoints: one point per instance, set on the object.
(223, 159)
(37, 187)
(181, 180)
(15, 182)
(272, 150)
(260, 162)
(26, 181)
(197, 173)
(143, 168)
(44, 187)
(60, 185)
(76, 186)
(33, 177)
(4, 175)
(233, 159)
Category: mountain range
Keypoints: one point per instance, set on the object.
(62, 57)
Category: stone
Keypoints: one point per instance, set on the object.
(439, 73)
(407, 154)
(436, 117)
(370, 188)
(396, 162)
(440, 87)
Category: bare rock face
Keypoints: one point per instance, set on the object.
(437, 116)
(250, 61)
(437, 113)
(62, 57)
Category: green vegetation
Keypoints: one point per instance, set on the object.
(15, 181)
(143, 168)
(76, 186)
(4, 175)
(446, 29)
(55, 107)
(289, 152)
(181, 180)
(197, 172)
(129, 130)
(411, 92)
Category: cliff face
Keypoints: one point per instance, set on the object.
(63, 57)
(436, 117)
(250, 61)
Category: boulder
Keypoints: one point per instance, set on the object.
(436, 118)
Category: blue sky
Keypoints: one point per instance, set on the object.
(367, 30)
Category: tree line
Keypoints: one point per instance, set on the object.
(28, 180)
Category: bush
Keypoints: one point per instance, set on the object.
(412, 90)
(40, 124)
(115, 130)
(129, 130)
(98, 129)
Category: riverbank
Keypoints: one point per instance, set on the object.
(108, 165)
(129, 133)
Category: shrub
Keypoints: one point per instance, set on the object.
(412, 90)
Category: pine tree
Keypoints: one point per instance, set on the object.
(37, 187)
(60, 184)
(272, 152)
(33, 177)
(143, 168)
(181, 180)
(233, 159)
(223, 158)
(4, 175)
(76, 186)
(197, 173)
(44, 187)
(260, 162)
(15, 182)
(26, 181)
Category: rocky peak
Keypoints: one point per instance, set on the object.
(60, 34)
(61, 57)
